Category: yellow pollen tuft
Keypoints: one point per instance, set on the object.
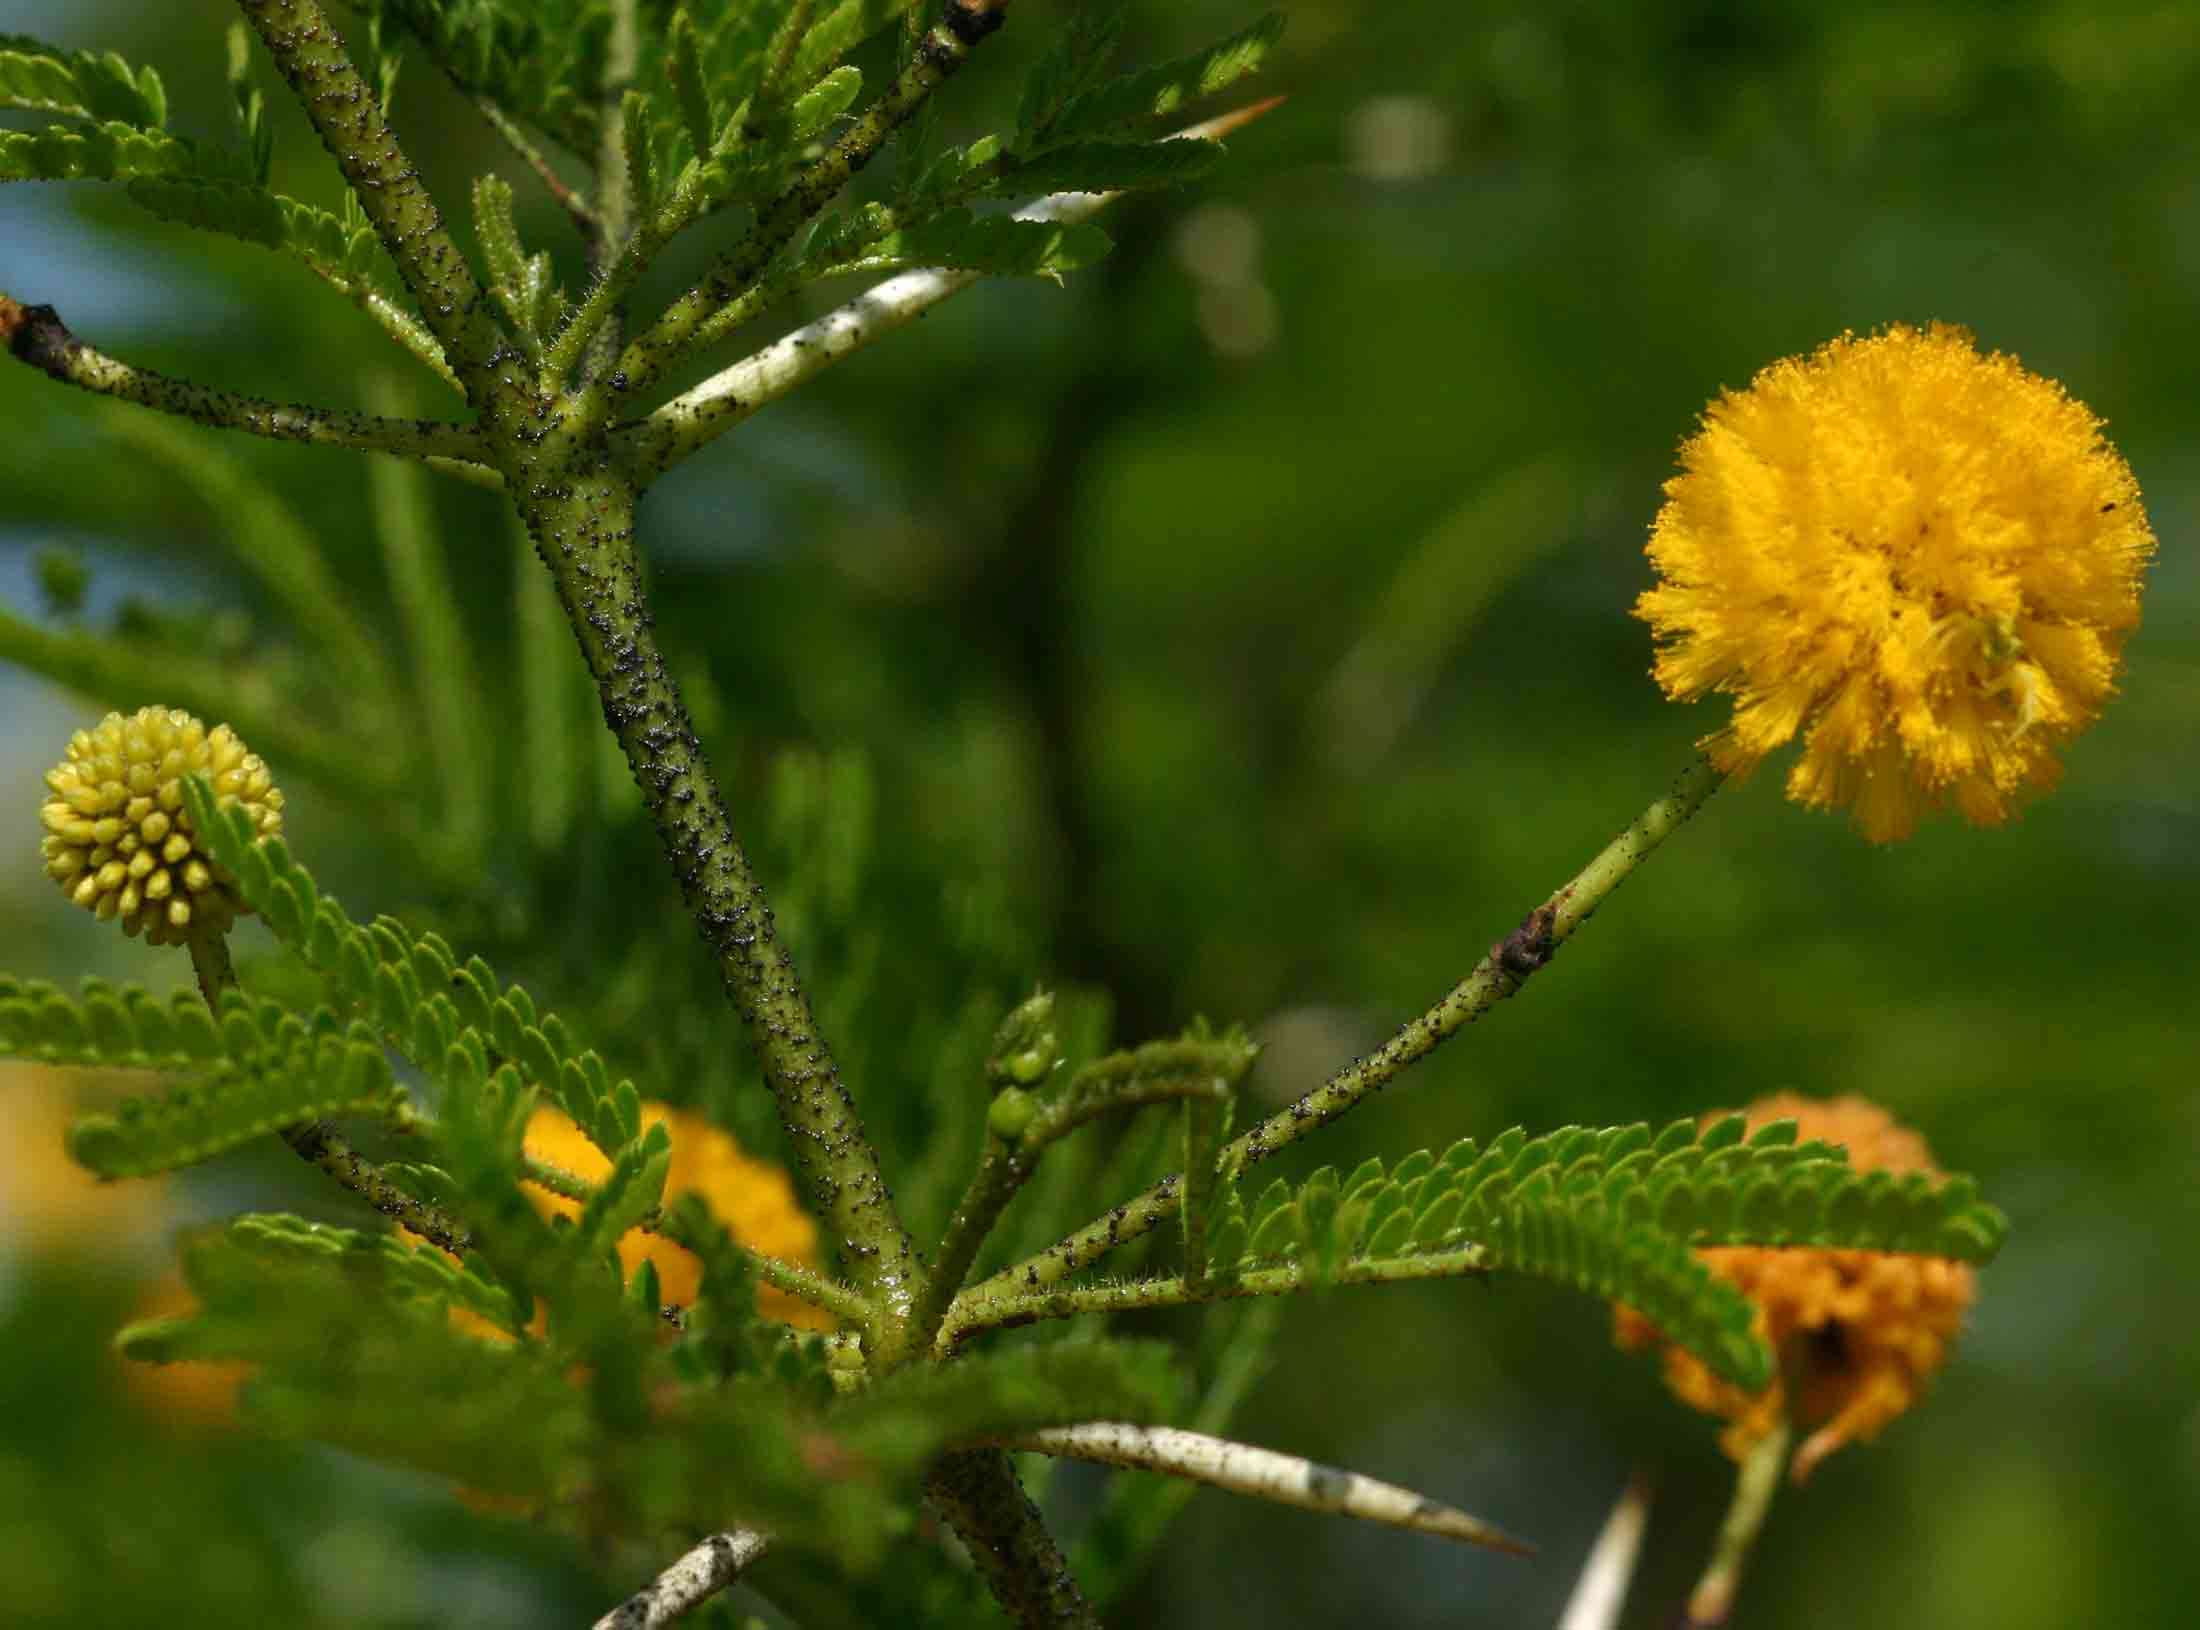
(1922, 560)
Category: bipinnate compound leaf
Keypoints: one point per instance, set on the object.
(250, 1070)
(455, 1022)
(113, 151)
(1616, 1212)
(1151, 93)
(42, 78)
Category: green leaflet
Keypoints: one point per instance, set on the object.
(254, 1068)
(380, 1267)
(995, 245)
(840, 31)
(1074, 63)
(347, 253)
(304, 1076)
(1589, 1250)
(107, 1026)
(525, 286)
(724, 1336)
(111, 151)
(456, 1023)
(633, 1189)
(1616, 1212)
(540, 60)
(44, 78)
(1160, 90)
(1708, 1190)
(352, 1345)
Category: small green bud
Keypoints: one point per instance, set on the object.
(1011, 1113)
(1025, 1048)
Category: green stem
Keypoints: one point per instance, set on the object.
(581, 519)
(37, 336)
(317, 1143)
(623, 247)
(210, 961)
(1754, 1486)
(943, 50)
(310, 55)
(976, 1490)
(1509, 964)
(1159, 1072)
(794, 1279)
(994, 1310)
(1001, 1172)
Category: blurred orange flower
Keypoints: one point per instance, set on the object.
(754, 1198)
(48, 1203)
(1861, 1332)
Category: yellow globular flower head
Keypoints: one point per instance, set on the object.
(1860, 1332)
(753, 1198)
(1922, 560)
(118, 835)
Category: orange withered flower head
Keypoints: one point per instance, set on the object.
(1922, 560)
(1860, 1332)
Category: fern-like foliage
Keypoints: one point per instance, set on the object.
(1069, 101)
(352, 1342)
(1707, 1188)
(456, 1022)
(340, 248)
(540, 62)
(995, 245)
(253, 1070)
(41, 78)
(1615, 1212)
(113, 151)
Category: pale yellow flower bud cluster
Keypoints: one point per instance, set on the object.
(118, 837)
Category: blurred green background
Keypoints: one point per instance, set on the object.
(1244, 629)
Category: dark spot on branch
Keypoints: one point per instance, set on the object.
(1529, 946)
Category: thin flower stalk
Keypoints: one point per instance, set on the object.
(1712, 1601)
(1501, 973)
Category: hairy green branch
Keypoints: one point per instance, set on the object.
(36, 336)
(1501, 973)
(984, 1309)
(310, 55)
